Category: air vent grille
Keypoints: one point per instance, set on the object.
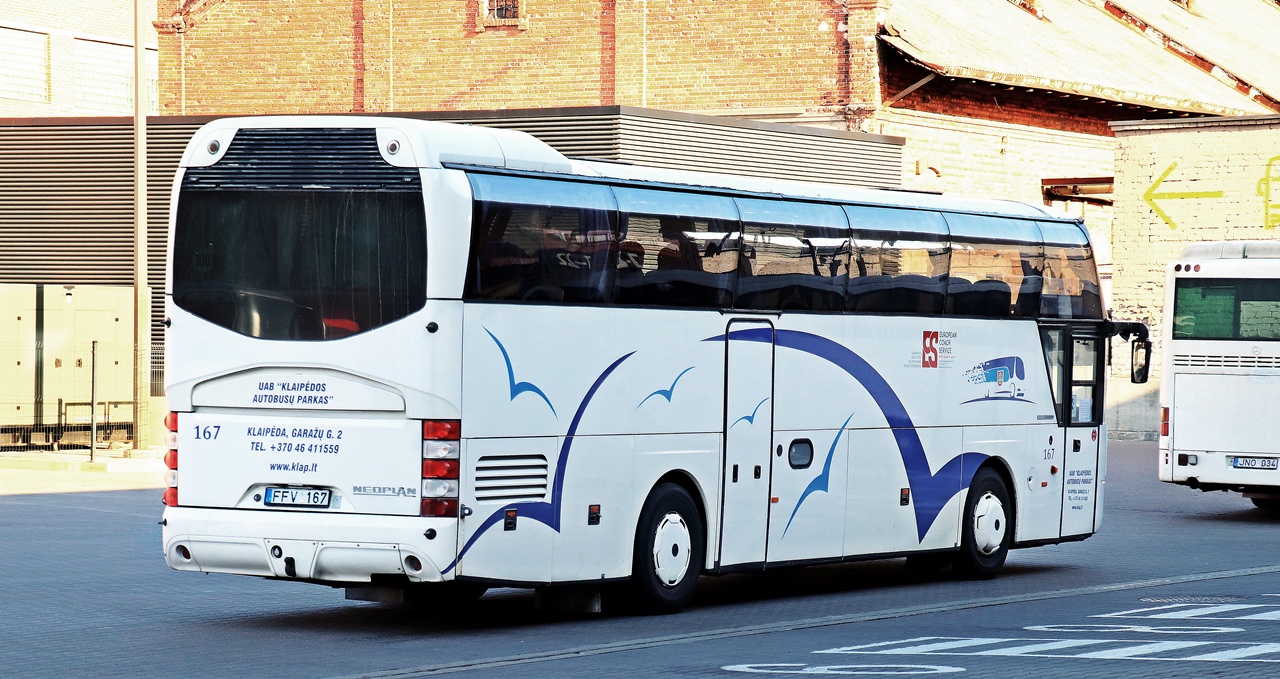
(303, 159)
(1206, 361)
(511, 477)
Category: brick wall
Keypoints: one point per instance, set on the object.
(303, 56)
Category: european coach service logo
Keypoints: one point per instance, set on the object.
(935, 350)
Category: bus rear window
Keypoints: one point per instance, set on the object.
(300, 264)
(1225, 309)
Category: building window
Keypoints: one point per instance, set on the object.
(24, 65)
(504, 13)
(104, 77)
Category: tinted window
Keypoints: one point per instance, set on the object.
(301, 264)
(899, 261)
(542, 241)
(677, 249)
(1071, 287)
(1223, 308)
(996, 266)
(798, 255)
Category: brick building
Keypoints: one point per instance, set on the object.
(70, 58)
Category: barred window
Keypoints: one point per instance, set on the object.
(503, 13)
(24, 65)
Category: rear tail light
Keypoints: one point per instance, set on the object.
(171, 461)
(1164, 421)
(441, 466)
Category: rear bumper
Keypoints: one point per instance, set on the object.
(335, 549)
(1213, 471)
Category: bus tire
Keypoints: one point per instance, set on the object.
(1268, 504)
(670, 549)
(986, 531)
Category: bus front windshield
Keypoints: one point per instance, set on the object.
(299, 264)
(1226, 309)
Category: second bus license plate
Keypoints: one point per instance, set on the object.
(1255, 462)
(296, 497)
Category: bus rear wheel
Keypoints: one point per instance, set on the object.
(987, 530)
(670, 549)
(1269, 504)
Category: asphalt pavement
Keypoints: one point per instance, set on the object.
(1177, 583)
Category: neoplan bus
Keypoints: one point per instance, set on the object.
(427, 358)
(1218, 428)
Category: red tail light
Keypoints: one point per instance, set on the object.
(440, 507)
(171, 461)
(441, 430)
(440, 469)
(1164, 421)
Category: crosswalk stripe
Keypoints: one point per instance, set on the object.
(1047, 646)
(1248, 651)
(1138, 612)
(950, 644)
(1142, 649)
(1269, 615)
(1203, 611)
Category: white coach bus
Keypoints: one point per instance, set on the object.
(431, 358)
(1218, 426)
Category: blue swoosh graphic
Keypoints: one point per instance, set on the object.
(518, 388)
(666, 393)
(997, 398)
(819, 482)
(751, 419)
(932, 490)
(547, 513)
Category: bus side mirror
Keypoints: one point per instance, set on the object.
(1141, 361)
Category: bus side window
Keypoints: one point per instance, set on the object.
(899, 261)
(676, 261)
(996, 267)
(1071, 286)
(1055, 358)
(796, 268)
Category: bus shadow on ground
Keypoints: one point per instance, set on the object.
(1246, 515)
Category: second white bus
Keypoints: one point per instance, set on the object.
(428, 358)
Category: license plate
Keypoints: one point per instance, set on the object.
(1255, 462)
(296, 497)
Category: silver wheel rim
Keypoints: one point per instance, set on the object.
(671, 541)
(989, 524)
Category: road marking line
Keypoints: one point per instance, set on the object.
(1202, 611)
(1269, 615)
(793, 625)
(950, 644)
(1142, 649)
(1047, 646)
(1238, 653)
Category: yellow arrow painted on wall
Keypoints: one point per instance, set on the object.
(1151, 195)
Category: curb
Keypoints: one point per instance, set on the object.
(134, 466)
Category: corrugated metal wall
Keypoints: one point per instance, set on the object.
(66, 185)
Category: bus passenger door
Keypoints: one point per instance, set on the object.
(1080, 412)
(748, 435)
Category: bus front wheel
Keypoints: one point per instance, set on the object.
(987, 530)
(670, 549)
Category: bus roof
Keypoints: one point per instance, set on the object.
(1233, 249)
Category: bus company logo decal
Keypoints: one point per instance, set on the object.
(819, 482)
(935, 351)
(931, 490)
(546, 513)
(390, 491)
(517, 388)
(998, 379)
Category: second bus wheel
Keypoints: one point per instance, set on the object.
(987, 530)
(670, 549)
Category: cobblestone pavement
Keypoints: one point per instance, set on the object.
(1178, 583)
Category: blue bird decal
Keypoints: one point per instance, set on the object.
(751, 419)
(518, 388)
(666, 393)
(819, 483)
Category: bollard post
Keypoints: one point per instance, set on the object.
(93, 398)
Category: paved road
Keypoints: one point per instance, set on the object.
(1179, 583)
